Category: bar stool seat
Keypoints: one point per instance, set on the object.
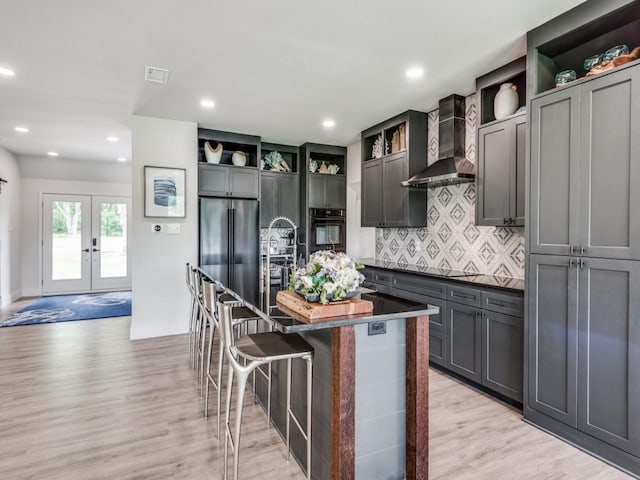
(272, 346)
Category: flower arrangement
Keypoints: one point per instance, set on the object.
(329, 276)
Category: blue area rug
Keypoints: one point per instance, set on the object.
(66, 308)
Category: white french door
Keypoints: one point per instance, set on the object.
(85, 243)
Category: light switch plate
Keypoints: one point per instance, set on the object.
(172, 228)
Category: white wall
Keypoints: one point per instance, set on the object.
(31, 208)
(361, 242)
(160, 296)
(75, 170)
(10, 231)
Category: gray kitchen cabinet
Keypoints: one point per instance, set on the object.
(609, 352)
(502, 355)
(279, 196)
(464, 341)
(395, 197)
(609, 171)
(584, 169)
(228, 181)
(336, 191)
(372, 193)
(552, 337)
(501, 173)
(327, 191)
(496, 148)
(554, 171)
(385, 202)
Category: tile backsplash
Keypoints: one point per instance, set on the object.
(452, 240)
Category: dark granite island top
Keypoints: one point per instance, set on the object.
(370, 391)
(503, 283)
(385, 307)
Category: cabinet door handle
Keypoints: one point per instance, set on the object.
(571, 262)
(571, 249)
(505, 221)
(581, 263)
(583, 251)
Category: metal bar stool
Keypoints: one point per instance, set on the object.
(259, 349)
(212, 294)
(193, 312)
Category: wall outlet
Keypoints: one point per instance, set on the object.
(377, 328)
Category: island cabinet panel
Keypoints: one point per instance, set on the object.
(464, 335)
(502, 356)
(609, 352)
(552, 337)
(372, 193)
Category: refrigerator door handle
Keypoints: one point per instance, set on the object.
(232, 249)
(229, 251)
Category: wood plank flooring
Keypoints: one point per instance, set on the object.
(78, 400)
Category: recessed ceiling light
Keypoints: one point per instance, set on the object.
(415, 72)
(7, 72)
(207, 103)
(122, 159)
(156, 74)
(113, 139)
(22, 129)
(52, 154)
(329, 123)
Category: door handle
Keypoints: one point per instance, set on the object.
(86, 250)
(96, 249)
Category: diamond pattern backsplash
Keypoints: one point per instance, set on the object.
(451, 239)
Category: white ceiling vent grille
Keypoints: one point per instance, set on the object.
(156, 74)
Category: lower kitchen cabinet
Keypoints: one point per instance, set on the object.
(464, 340)
(584, 346)
(502, 355)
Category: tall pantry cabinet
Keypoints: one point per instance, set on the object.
(582, 326)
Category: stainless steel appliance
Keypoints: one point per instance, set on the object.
(229, 244)
(328, 230)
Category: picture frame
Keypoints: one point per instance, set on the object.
(164, 192)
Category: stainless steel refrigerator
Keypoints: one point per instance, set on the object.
(230, 244)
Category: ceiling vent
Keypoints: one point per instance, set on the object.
(156, 75)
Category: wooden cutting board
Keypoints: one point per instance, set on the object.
(314, 312)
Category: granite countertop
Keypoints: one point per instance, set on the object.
(505, 283)
(385, 307)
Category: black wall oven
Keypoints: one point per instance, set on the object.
(328, 230)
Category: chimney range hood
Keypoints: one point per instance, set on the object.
(452, 167)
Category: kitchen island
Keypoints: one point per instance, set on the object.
(370, 391)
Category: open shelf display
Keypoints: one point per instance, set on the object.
(289, 154)
(488, 86)
(569, 51)
(231, 142)
(389, 141)
(328, 159)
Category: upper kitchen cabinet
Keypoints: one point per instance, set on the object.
(228, 164)
(501, 147)
(393, 151)
(324, 176)
(279, 183)
(585, 142)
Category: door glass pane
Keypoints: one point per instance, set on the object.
(328, 235)
(113, 240)
(67, 253)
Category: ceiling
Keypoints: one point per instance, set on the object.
(275, 68)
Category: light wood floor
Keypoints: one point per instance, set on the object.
(78, 400)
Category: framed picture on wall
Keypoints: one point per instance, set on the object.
(164, 192)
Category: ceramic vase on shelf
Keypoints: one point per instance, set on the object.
(213, 155)
(506, 101)
(239, 159)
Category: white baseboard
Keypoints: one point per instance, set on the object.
(31, 292)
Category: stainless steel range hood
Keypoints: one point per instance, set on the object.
(452, 167)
